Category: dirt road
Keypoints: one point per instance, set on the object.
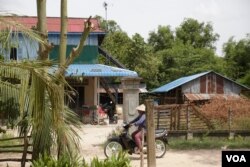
(93, 137)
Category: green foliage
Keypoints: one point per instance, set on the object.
(38, 93)
(134, 53)
(120, 160)
(10, 110)
(168, 54)
(108, 25)
(245, 80)
(47, 127)
(117, 44)
(162, 39)
(64, 161)
(199, 35)
(183, 60)
(237, 59)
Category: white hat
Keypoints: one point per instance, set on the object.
(141, 108)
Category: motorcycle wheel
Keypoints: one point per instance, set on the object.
(112, 148)
(160, 148)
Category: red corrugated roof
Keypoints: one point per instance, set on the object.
(53, 23)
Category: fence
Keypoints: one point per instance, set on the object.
(21, 146)
(186, 119)
(180, 117)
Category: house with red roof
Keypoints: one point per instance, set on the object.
(85, 75)
(75, 28)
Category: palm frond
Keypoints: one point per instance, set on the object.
(37, 89)
(46, 124)
(14, 28)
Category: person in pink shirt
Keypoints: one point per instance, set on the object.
(140, 122)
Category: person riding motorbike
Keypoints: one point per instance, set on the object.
(109, 108)
(140, 122)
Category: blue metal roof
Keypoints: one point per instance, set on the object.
(98, 70)
(178, 82)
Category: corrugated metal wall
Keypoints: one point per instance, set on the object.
(211, 84)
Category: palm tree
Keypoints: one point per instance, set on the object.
(39, 93)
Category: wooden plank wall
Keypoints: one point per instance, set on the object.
(179, 117)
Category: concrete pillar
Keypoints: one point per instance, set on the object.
(131, 91)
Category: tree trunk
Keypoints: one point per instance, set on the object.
(62, 57)
(42, 28)
(64, 31)
(39, 105)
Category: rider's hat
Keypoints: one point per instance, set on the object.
(141, 108)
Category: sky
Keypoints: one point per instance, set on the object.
(228, 17)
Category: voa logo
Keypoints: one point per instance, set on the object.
(236, 158)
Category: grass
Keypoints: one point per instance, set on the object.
(210, 143)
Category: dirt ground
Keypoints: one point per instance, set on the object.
(93, 137)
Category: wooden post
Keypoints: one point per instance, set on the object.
(231, 134)
(188, 119)
(25, 148)
(158, 119)
(142, 151)
(189, 133)
(229, 119)
(151, 160)
(178, 118)
(171, 119)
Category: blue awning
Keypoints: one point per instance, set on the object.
(97, 70)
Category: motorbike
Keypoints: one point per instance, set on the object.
(124, 142)
(109, 108)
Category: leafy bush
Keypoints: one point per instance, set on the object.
(121, 160)
(64, 161)
(10, 111)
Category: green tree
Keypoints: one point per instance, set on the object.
(183, 59)
(141, 59)
(135, 54)
(108, 25)
(199, 35)
(162, 39)
(238, 59)
(190, 50)
(117, 44)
